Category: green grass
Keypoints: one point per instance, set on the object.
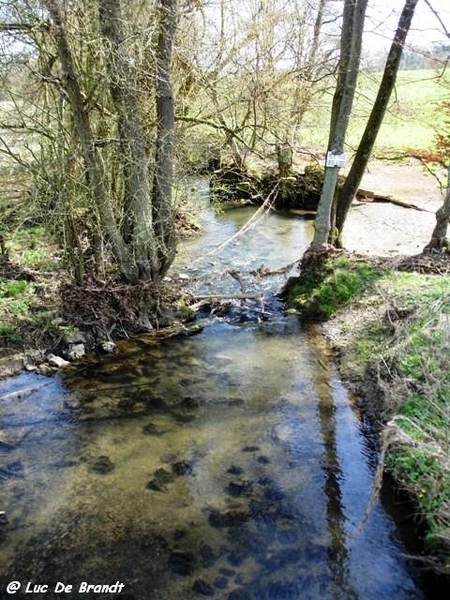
(14, 298)
(331, 286)
(15, 301)
(412, 120)
(30, 248)
(413, 351)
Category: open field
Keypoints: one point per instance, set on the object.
(412, 121)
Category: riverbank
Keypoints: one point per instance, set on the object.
(389, 322)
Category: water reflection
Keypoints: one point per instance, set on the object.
(229, 464)
(322, 378)
(226, 464)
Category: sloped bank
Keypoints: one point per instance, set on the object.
(389, 321)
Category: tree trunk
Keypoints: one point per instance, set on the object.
(92, 161)
(350, 54)
(353, 179)
(138, 217)
(162, 182)
(439, 236)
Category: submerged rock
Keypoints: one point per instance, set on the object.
(203, 588)
(251, 449)
(182, 563)
(101, 465)
(207, 555)
(221, 582)
(183, 467)
(239, 488)
(152, 429)
(161, 478)
(233, 470)
(229, 518)
(239, 595)
(13, 470)
(237, 558)
(282, 590)
(182, 417)
(189, 403)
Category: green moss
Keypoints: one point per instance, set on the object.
(324, 290)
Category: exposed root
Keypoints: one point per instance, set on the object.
(107, 307)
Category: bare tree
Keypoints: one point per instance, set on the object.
(348, 190)
(102, 129)
(350, 55)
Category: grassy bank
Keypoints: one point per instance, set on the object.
(392, 331)
(412, 121)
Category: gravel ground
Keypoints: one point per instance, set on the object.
(387, 229)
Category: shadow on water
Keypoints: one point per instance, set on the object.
(227, 465)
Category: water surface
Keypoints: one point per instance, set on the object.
(230, 464)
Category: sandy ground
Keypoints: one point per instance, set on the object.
(387, 229)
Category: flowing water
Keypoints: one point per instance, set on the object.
(230, 464)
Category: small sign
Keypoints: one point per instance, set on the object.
(336, 160)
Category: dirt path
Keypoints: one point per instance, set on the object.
(387, 229)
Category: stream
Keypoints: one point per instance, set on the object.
(231, 464)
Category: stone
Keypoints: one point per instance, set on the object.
(107, 347)
(250, 449)
(203, 588)
(13, 470)
(182, 563)
(230, 518)
(57, 361)
(101, 465)
(3, 525)
(152, 429)
(227, 572)
(221, 582)
(76, 351)
(183, 467)
(74, 337)
(207, 555)
(161, 478)
(239, 595)
(239, 488)
(233, 470)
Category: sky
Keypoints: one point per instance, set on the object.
(382, 18)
